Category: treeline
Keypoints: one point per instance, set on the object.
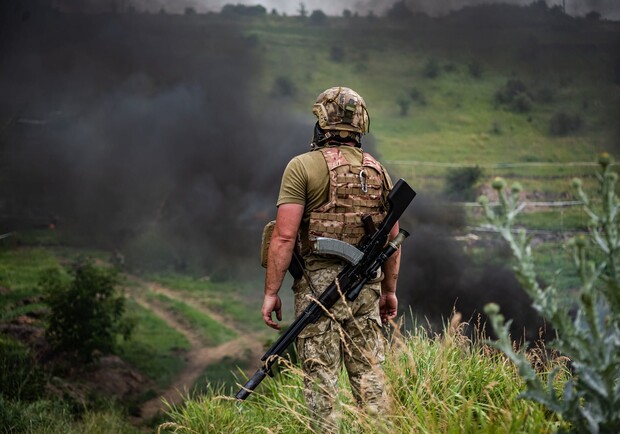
(399, 11)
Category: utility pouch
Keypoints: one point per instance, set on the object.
(265, 241)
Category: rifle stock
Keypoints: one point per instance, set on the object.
(349, 281)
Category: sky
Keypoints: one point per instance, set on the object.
(608, 8)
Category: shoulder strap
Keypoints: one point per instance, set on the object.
(333, 158)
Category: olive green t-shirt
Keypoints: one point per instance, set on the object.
(306, 180)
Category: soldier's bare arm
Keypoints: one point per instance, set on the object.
(388, 303)
(279, 256)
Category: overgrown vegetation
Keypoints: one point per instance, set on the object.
(562, 123)
(461, 183)
(86, 310)
(435, 384)
(20, 377)
(514, 96)
(588, 330)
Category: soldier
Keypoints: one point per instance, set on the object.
(325, 192)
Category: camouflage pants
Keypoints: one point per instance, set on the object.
(350, 334)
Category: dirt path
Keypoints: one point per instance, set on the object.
(199, 357)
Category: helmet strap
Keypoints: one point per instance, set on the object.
(322, 137)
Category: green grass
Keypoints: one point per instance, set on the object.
(20, 269)
(20, 273)
(155, 349)
(52, 416)
(237, 300)
(212, 332)
(446, 384)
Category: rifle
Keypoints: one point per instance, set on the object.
(374, 250)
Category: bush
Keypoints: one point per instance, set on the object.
(417, 96)
(399, 12)
(404, 103)
(588, 332)
(86, 311)
(431, 69)
(231, 10)
(522, 103)
(562, 124)
(461, 182)
(283, 87)
(318, 17)
(514, 95)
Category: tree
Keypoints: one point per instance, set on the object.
(86, 310)
(303, 12)
(318, 17)
(399, 12)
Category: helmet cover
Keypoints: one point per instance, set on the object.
(342, 109)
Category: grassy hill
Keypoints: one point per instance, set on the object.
(432, 86)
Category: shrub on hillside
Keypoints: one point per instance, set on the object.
(86, 311)
(283, 87)
(461, 182)
(431, 69)
(514, 95)
(318, 18)
(403, 103)
(417, 96)
(588, 330)
(562, 124)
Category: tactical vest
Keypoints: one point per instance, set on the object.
(354, 191)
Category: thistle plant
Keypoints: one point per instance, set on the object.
(588, 328)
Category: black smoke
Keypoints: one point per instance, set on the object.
(439, 277)
(139, 133)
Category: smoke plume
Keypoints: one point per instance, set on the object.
(138, 133)
(438, 277)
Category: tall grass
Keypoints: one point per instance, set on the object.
(444, 383)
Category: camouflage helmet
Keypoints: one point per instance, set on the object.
(342, 109)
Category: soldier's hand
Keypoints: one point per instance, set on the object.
(272, 303)
(388, 306)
